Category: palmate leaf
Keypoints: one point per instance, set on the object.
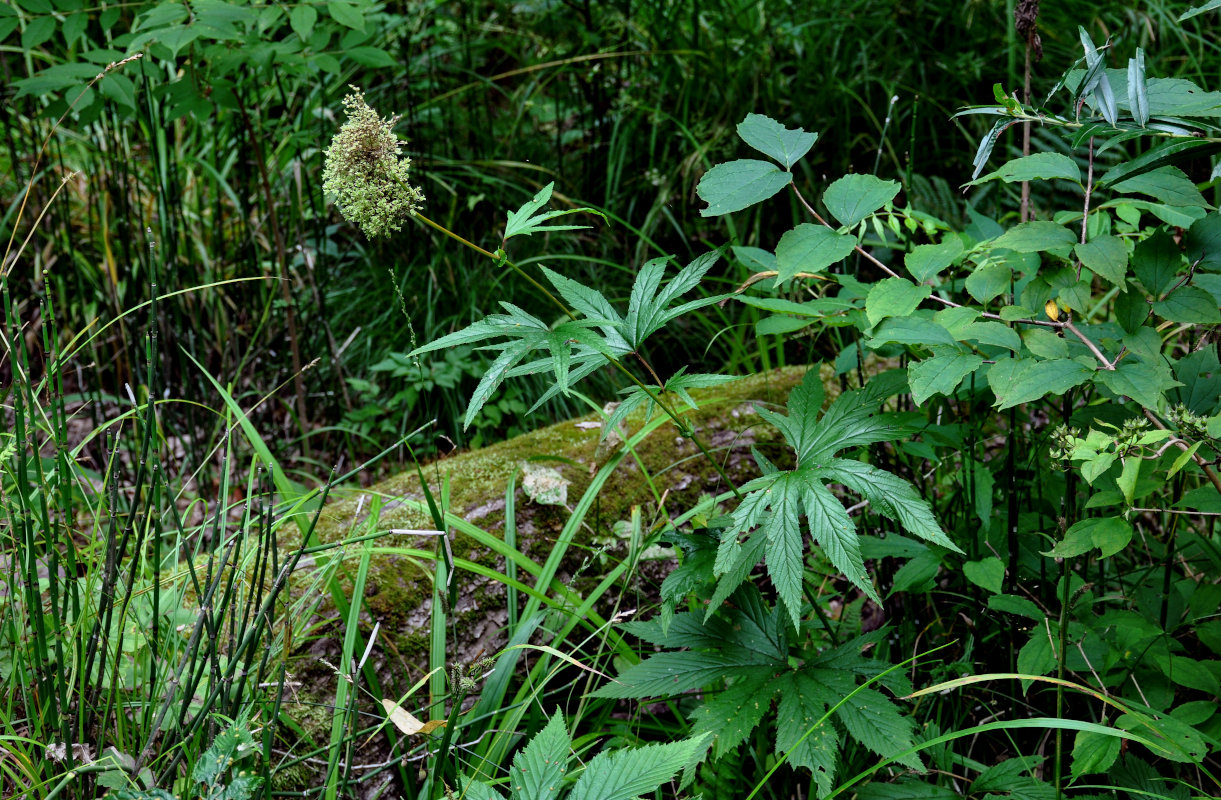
(770, 513)
(524, 221)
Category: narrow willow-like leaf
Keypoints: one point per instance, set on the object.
(1138, 93)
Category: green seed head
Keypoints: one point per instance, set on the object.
(365, 174)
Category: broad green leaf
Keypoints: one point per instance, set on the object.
(1131, 310)
(941, 374)
(894, 297)
(1106, 257)
(1044, 343)
(1188, 304)
(740, 184)
(1172, 152)
(854, 197)
(926, 260)
(810, 248)
(302, 19)
(910, 330)
(755, 258)
(1012, 604)
(346, 14)
(1037, 167)
(987, 574)
(1015, 381)
(377, 58)
(1156, 262)
(1203, 241)
(1169, 185)
(1033, 237)
(1094, 753)
(1146, 383)
(540, 766)
(989, 281)
(1036, 656)
(1110, 535)
(628, 774)
(38, 32)
(773, 139)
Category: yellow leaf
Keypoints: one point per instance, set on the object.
(407, 723)
(1052, 310)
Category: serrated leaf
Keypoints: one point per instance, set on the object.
(854, 197)
(525, 221)
(1156, 262)
(740, 184)
(538, 769)
(1146, 383)
(910, 330)
(1022, 380)
(798, 711)
(1094, 753)
(1034, 237)
(941, 374)
(989, 281)
(1171, 152)
(731, 715)
(926, 260)
(878, 724)
(810, 248)
(785, 542)
(894, 297)
(627, 774)
(1203, 241)
(1106, 257)
(773, 139)
(1037, 167)
(835, 532)
(1169, 185)
(1036, 656)
(892, 496)
(1188, 304)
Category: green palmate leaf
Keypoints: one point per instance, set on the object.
(800, 710)
(1021, 380)
(1037, 167)
(773, 139)
(525, 221)
(893, 297)
(854, 197)
(1188, 304)
(891, 496)
(1033, 237)
(538, 769)
(740, 184)
(941, 374)
(1106, 257)
(926, 260)
(1169, 185)
(989, 281)
(1156, 262)
(878, 724)
(835, 532)
(810, 248)
(628, 774)
(731, 715)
